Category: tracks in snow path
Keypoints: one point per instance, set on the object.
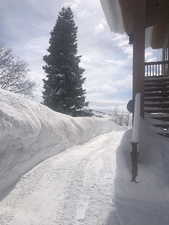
(72, 188)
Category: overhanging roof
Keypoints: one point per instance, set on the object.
(119, 15)
(113, 15)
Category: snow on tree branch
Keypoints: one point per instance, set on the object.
(13, 74)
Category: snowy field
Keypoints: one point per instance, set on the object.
(59, 170)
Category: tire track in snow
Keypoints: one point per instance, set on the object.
(73, 188)
(87, 184)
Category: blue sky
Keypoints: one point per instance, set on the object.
(25, 27)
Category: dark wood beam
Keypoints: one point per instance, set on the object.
(139, 13)
(157, 12)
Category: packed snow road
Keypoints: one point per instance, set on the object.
(75, 187)
(87, 179)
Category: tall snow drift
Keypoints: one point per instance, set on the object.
(31, 132)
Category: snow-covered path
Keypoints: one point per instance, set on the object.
(89, 184)
(75, 187)
(87, 179)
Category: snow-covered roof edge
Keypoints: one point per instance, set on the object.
(113, 15)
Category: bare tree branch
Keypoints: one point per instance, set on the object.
(13, 74)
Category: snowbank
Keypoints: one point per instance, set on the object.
(87, 184)
(30, 132)
(146, 202)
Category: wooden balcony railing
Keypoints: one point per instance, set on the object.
(159, 68)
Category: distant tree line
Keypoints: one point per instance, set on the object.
(120, 117)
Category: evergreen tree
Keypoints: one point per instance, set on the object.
(63, 91)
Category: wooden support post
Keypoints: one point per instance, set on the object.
(139, 49)
(134, 161)
(167, 57)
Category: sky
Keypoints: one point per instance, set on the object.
(25, 27)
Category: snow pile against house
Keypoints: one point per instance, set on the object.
(30, 132)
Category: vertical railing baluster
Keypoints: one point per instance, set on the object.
(147, 70)
(160, 68)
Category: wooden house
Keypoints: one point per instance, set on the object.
(146, 22)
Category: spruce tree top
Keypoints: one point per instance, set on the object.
(64, 35)
(63, 90)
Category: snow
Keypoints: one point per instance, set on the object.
(86, 181)
(112, 11)
(114, 17)
(30, 132)
(71, 188)
(146, 202)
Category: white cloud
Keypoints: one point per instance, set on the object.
(74, 4)
(105, 56)
(99, 28)
(153, 55)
